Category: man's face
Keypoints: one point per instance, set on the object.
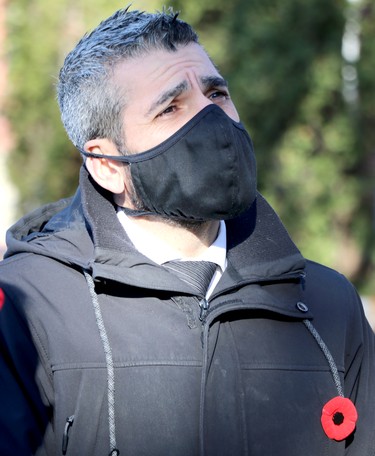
(164, 90)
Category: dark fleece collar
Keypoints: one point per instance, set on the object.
(257, 241)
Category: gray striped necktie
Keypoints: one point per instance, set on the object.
(198, 274)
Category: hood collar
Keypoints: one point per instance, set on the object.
(85, 230)
(259, 246)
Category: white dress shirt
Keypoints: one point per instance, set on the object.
(160, 251)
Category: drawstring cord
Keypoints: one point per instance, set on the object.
(109, 362)
(327, 354)
(110, 367)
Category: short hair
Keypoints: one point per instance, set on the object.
(90, 104)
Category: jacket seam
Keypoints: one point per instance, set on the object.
(297, 368)
(74, 366)
(43, 350)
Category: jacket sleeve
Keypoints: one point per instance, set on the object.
(24, 414)
(360, 378)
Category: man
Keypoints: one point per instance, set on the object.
(108, 345)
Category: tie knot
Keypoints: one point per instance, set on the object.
(198, 274)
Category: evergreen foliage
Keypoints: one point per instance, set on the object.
(309, 109)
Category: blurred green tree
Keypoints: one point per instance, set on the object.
(287, 77)
(306, 94)
(307, 104)
(44, 164)
(363, 219)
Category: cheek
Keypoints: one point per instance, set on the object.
(231, 111)
(142, 139)
(147, 137)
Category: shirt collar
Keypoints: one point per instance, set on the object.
(160, 252)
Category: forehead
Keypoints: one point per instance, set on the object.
(147, 74)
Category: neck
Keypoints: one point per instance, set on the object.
(188, 239)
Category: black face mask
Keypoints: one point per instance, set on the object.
(204, 171)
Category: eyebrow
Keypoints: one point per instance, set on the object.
(168, 94)
(208, 82)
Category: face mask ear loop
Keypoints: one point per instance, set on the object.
(120, 158)
(327, 354)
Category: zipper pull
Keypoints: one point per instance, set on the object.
(68, 425)
(204, 305)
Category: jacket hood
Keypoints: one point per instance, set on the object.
(56, 230)
(83, 231)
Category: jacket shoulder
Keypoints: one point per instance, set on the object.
(327, 280)
(335, 304)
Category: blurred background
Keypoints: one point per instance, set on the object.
(301, 72)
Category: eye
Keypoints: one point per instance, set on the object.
(219, 95)
(169, 110)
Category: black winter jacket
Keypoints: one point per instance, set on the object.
(101, 348)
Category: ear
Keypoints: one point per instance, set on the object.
(109, 174)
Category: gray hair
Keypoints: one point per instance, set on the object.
(90, 103)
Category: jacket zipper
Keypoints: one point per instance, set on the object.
(65, 441)
(204, 306)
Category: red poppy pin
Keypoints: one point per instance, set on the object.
(339, 417)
